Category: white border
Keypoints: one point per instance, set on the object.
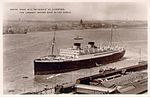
(74, 0)
(52, 95)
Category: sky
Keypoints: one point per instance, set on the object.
(79, 10)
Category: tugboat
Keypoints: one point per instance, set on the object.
(75, 58)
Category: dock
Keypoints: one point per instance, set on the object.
(113, 81)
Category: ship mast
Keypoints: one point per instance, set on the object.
(111, 31)
(140, 53)
(53, 41)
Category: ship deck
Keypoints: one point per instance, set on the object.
(80, 57)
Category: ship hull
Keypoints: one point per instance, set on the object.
(43, 68)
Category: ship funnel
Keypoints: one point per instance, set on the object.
(91, 45)
(77, 46)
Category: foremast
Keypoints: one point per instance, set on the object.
(54, 41)
(111, 35)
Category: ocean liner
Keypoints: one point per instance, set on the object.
(75, 58)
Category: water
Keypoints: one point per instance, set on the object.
(21, 49)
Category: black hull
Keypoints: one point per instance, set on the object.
(43, 68)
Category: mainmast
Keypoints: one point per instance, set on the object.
(140, 53)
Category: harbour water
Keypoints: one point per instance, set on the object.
(21, 49)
